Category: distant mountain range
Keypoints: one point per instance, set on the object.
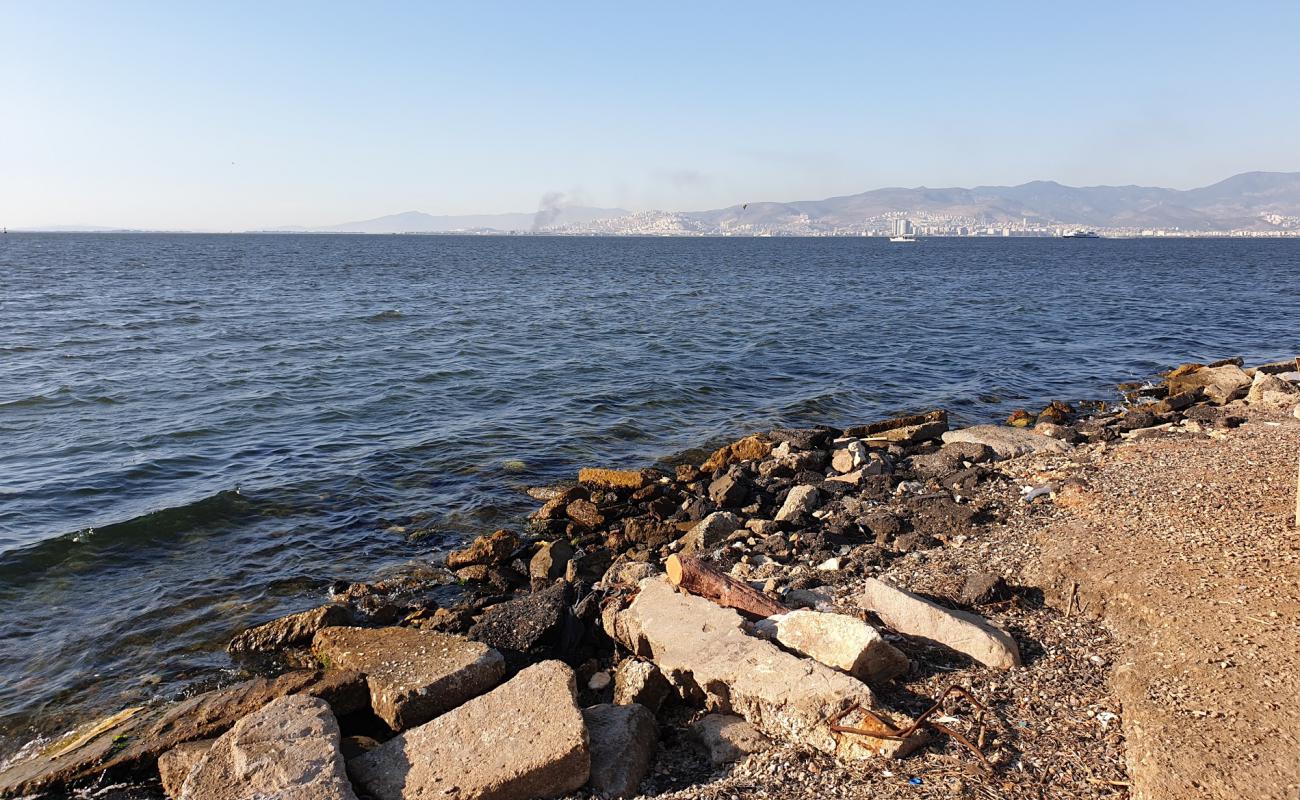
(1250, 201)
(1238, 202)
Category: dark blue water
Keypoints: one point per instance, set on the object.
(200, 432)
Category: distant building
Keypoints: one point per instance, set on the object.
(903, 227)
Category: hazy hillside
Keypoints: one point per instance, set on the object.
(1238, 202)
(419, 222)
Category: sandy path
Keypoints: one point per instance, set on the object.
(1186, 546)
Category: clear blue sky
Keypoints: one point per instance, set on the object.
(229, 115)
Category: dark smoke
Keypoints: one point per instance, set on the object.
(549, 211)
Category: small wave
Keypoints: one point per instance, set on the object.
(28, 563)
(384, 316)
(28, 402)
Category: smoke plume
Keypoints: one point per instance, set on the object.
(548, 212)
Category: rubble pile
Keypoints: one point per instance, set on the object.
(735, 604)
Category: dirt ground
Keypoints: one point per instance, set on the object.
(1186, 546)
(1157, 603)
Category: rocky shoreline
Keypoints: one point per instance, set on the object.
(825, 591)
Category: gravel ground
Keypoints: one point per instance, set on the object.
(1054, 730)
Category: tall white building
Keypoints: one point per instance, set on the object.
(903, 227)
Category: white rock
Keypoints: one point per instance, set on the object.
(704, 650)
(800, 500)
(843, 642)
(1271, 390)
(966, 633)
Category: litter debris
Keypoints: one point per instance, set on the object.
(882, 729)
(1029, 493)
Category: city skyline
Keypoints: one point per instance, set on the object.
(245, 117)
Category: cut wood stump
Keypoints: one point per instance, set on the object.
(694, 576)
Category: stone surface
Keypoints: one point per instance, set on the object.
(490, 550)
(640, 682)
(176, 764)
(727, 738)
(911, 434)
(151, 733)
(853, 455)
(801, 500)
(524, 739)
(413, 675)
(1221, 384)
(730, 490)
(628, 573)
(876, 429)
(1007, 442)
(622, 740)
(584, 513)
(1271, 390)
(711, 532)
(704, 651)
(751, 448)
(912, 615)
(843, 642)
(611, 478)
(550, 560)
(295, 630)
(288, 750)
(537, 623)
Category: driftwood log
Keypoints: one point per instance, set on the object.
(692, 575)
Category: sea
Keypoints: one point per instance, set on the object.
(199, 433)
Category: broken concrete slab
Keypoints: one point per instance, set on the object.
(413, 675)
(1007, 442)
(524, 739)
(289, 750)
(840, 641)
(623, 740)
(150, 733)
(1221, 384)
(176, 764)
(727, 738)
(294, 630)
(912, 615)
(704, 651)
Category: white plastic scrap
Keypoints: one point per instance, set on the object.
(1029, 493)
